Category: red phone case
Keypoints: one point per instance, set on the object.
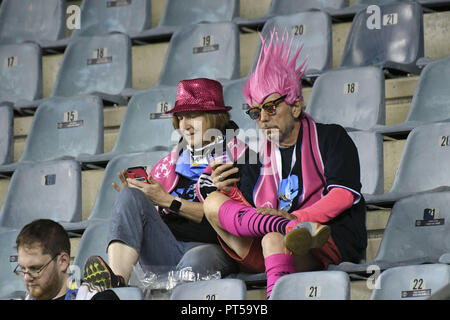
(138, 173)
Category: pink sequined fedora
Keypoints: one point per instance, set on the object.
(199, 95)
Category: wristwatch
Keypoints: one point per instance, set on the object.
(175, 205)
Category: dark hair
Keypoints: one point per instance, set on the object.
(46, 233)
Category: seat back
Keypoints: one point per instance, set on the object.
(104, 16)
(65, 127)
(107, 195)
(21, 65)
(422, 165)
(283, 7)
(312, 30)
(370, 151)
(30, 20)
(9, 282)
(351, 97)
(221, 289)
(50, 190)
(95, 64)
(205, 50)
(414, 282)
(145, 125)
(128, 293)
(185, 12)
(431, 100)
(6, 135)
(390, 36)
(417, 229)
(316, 285)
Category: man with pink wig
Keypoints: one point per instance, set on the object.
(299, 208)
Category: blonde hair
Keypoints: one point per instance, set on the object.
(214, 119)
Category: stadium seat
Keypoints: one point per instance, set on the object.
(285, 7)
(362, 5)
(351, 97)
(144, 126)
(315, 285)
(434, 3)
(221, 289)
(30, 20)
(421, 166)
(11, 285)
(370, 151)
(6, 135)
(312, 30)
(49, 189)
(205, 50)
(417, 232)
(104, 16)
(106, 195)
(414, 282)
(98, 65)
(431, 99)
(178, 14)
(64, 128)
(391, 37)
(128, 293)
(20, 74)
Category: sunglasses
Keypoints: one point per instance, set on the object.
(270, 107)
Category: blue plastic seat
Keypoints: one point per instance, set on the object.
(351, 97)
(205, 50)
(6, 135)
(316, 285)
(414, 282)
(312, 30)
(11, 285)
(30, 20)
(104, 16)
(20, 73)
(221, 289)
(98, 65)
(48, 189)
(392, 39)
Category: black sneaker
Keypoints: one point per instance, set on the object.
(97, 271)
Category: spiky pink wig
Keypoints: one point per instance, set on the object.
(274, 73)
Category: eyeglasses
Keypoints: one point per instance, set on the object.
(33, 272)
(269, 107)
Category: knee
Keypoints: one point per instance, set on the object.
(212, 204)
(272, 243)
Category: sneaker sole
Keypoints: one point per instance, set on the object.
(97, 273)
(299, 241)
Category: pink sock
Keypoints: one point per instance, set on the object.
(278, 265)
(244, 221)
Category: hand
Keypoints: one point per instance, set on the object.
(153, 190)
(220, 172)
(275, 212)
(123, 180)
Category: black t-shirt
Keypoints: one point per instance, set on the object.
(185, 229)
(341, 168)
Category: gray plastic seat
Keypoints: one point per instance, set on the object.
(370, 151)
(6, 135)
(416, 233)
(49, 189)
(434, 3)
(362, 5)
(107, 195)
(316, 285)
(221, 289)
(285, 7)
(20, 73)
(128, 293)
(312, 30)
(11, 285)
(421, 166)
(205, 50)
(98, 65)
(180, 13)
(414, 282)
(351, 97)
(394, 42)
(30, 20)
(144, 126)
(104, 16)
(431, 99)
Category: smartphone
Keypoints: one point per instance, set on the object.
(138, 173)
(227, 158)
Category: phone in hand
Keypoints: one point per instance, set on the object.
(226, 158)
(138, 173)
